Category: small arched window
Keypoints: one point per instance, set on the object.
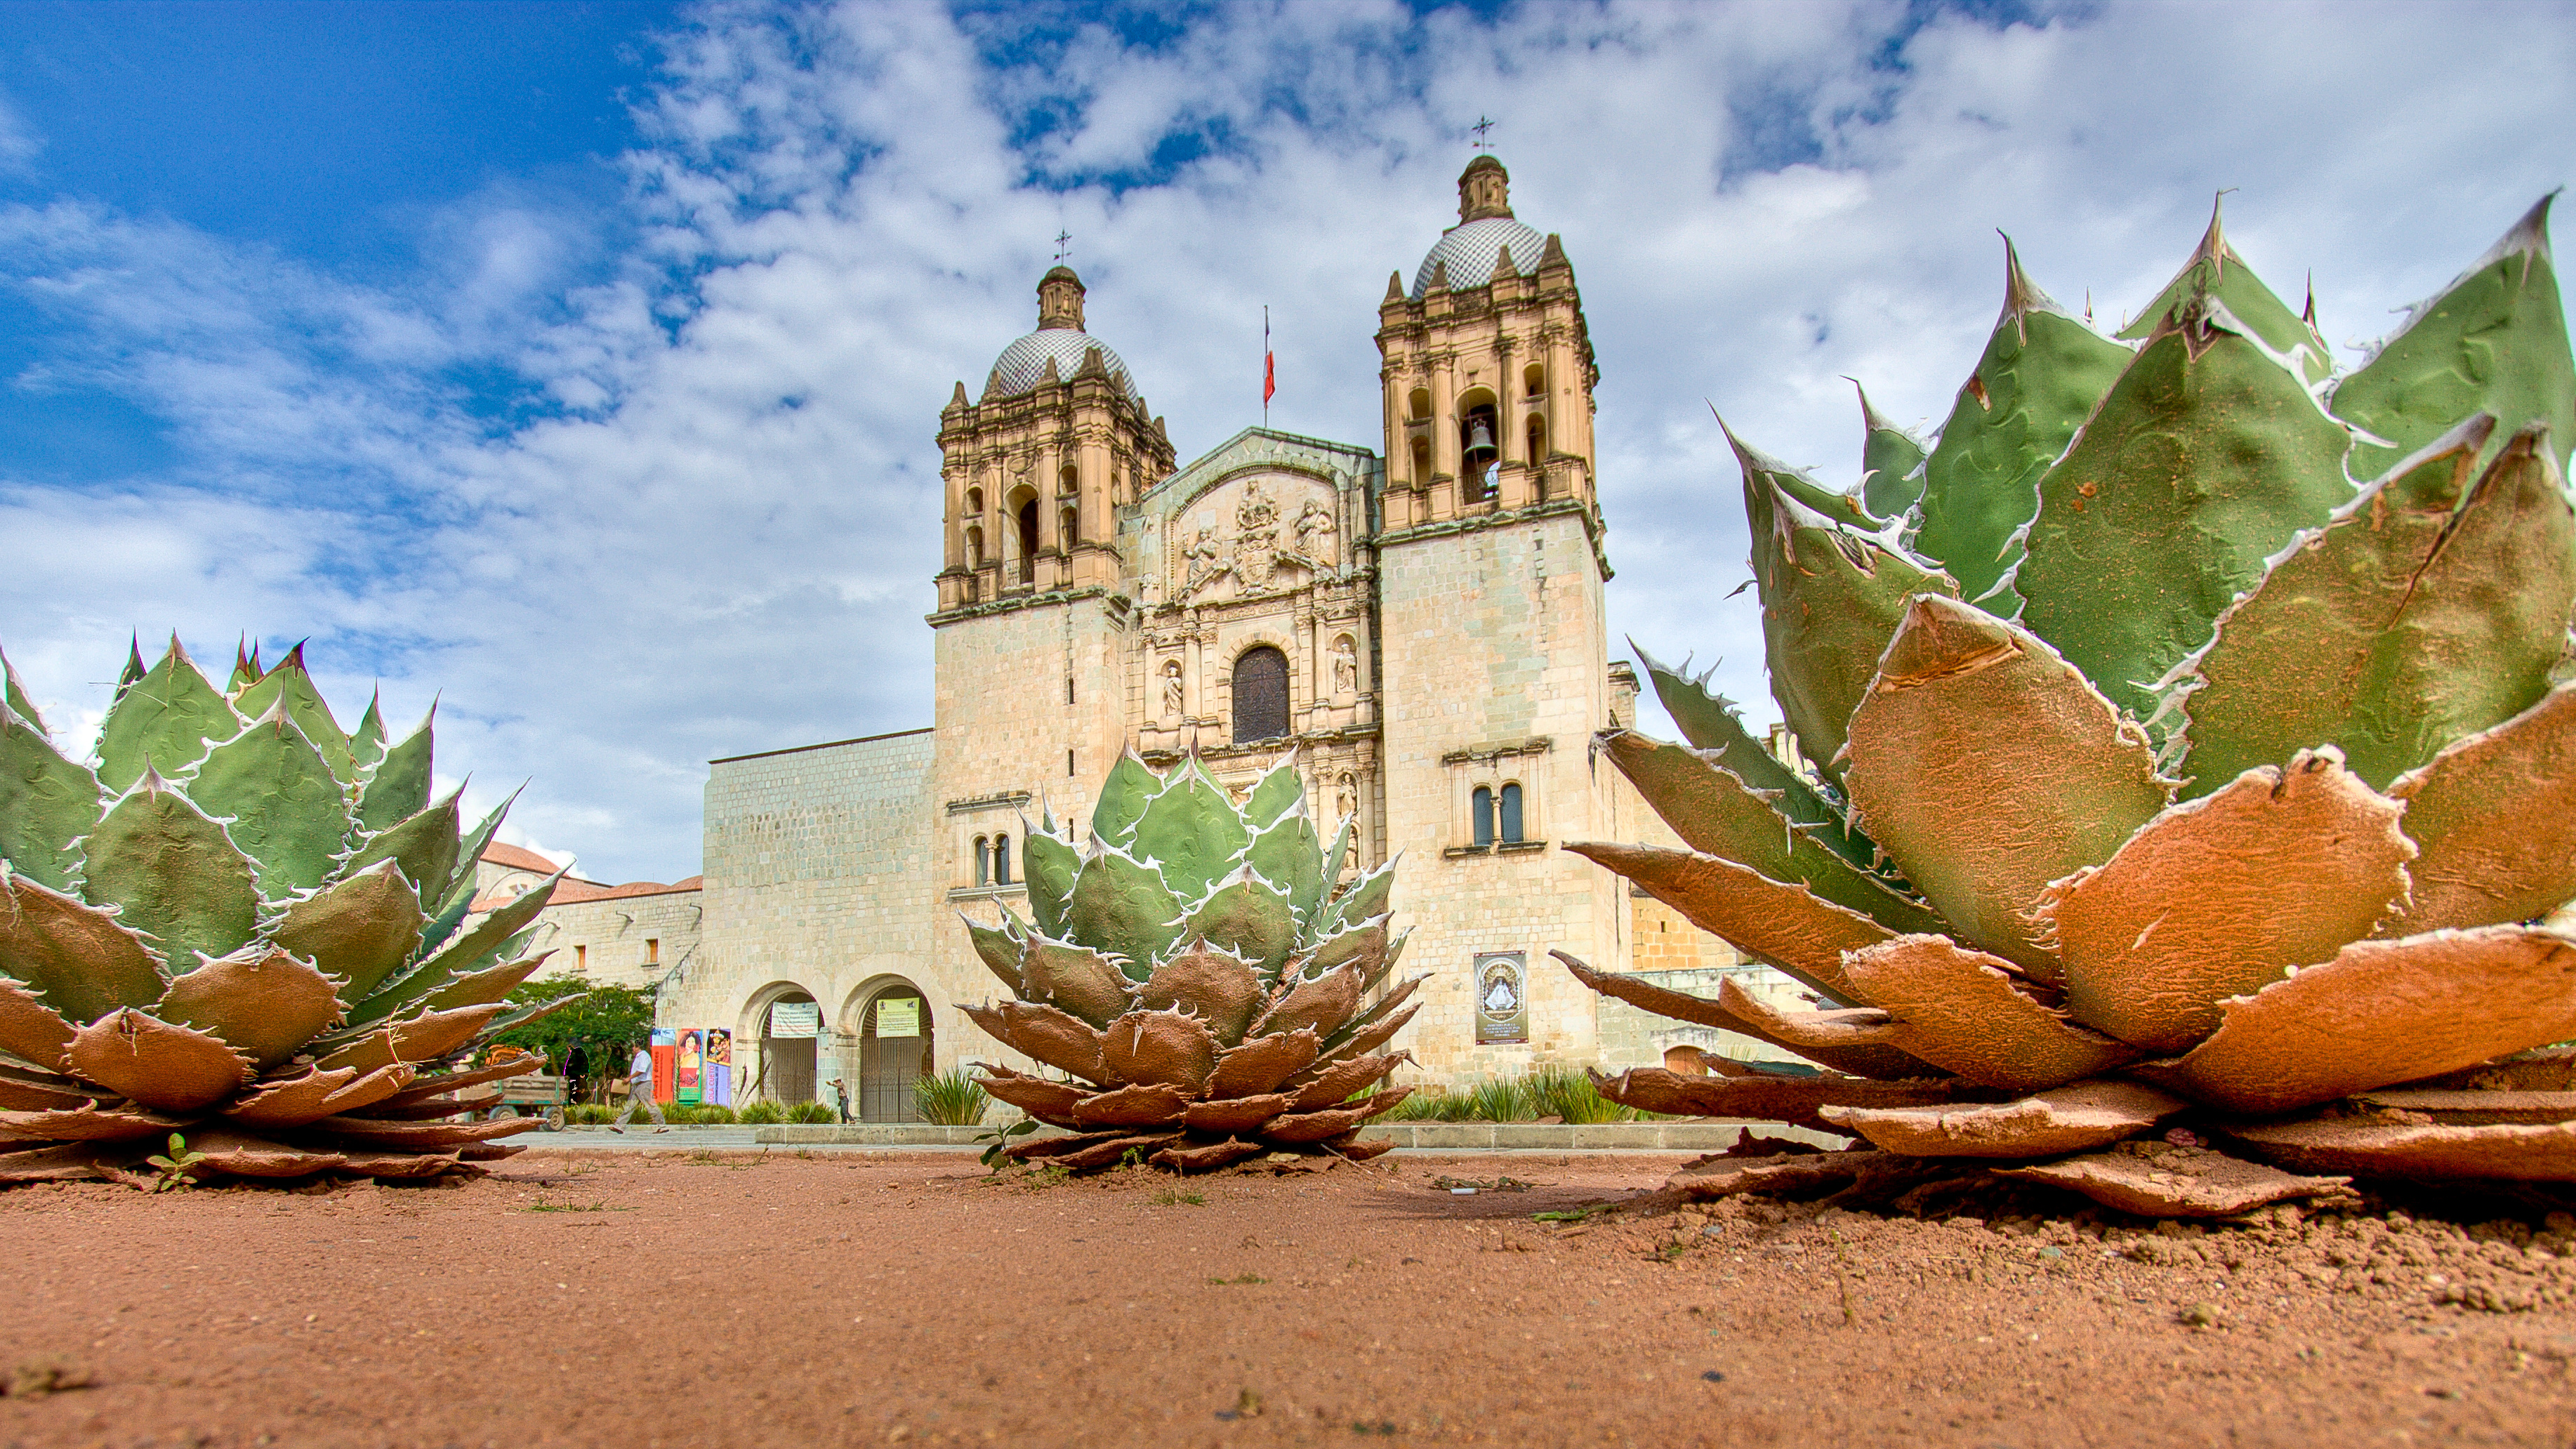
(1511, 815)
(1067, 480)
(1420, 403)
(974, 548)
(1028, 522)
(1480, 814)
(1422, 462)
(1534, 379)
(983, 861)
(1001, 860)
(1260, 695)
(1537, 438)
(974, 502)
(1068, 526)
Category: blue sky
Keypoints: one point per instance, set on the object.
(583, 361)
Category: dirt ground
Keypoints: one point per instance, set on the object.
(692, 1298)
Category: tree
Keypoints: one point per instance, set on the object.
(608, 1023)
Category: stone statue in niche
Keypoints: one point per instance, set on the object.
(1346, 667)
(1346, 797)
(1316, 531)
(1171, 689)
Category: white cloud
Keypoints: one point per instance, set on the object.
(713, 529)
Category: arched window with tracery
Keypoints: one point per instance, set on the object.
(983, 861)
(1480, 815)
(1260, 695)
(1509, 828)
(1001, 860)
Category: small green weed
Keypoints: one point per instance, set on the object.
(177, 1167)
(1238, 1279)
(1174, 1197)
(542, 1206)
(1568, 1215)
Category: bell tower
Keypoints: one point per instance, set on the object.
(1497, 667)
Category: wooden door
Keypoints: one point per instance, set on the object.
(790, 1064)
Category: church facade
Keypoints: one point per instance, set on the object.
(1420, 622)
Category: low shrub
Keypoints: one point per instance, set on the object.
(1569, 1096)
(951, 1099)
(711, 1114)
(1501, 1099)
(812, 1112)
(584, 1114)
(763, 1113)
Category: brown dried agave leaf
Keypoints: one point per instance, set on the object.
(1219, 986)
(2384, 1012)
(2495, 814)
(1074, 978)
(70, 1162)
(1153, 1106)
(359, 929)
(1761, 1098)
(1883, 1062)
(423, 1038)
(2213, 897)
(1262, 1063)
(1842, 1027)
(1115, 1150)
(1305, 1127)
(259, 999)
(1044, 1033)
(1788, 926)
(1370, 1038)
(1049, 1102)
(2453, 1108)
(2543, 1152)
(420, 1136)
(1207, 1157)
(75, 956)
(1234, 1114)
(158, 1064)
(22, 1091)
(242, 1155)
(418, 1087)
(482, 988)
(2222, 1186)
(1961, 1011)
(1323, 1004)
(91, 1123)
(1791, 1174)
(314, 1094)
(30, 1030)
(2069, 1119)
(1160, 1048)
(1986, 766)
(1338, 1082)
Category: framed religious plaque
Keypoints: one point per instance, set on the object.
(1502, 998)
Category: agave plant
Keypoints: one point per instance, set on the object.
(2186, 745)
(1199, 974)
(246, 927)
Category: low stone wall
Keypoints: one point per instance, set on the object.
(1688, 1136)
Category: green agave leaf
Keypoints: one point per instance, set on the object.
(2205, 458)
(1365, 900)
(1334, 860)
(499, 935)
(2412, 618)
(2042, 373)
(2215, 270)
(80, 959)
(162, 721)
(415, 987)
(132, 674)
(999, 950)
(482, 988)
(460, 904)
(245, 668)
(359, 931)
(425, 844)
(290, 686)
(399, 789)
(470, 850)
(1711, 724)
(1287, 852)
(1716, 813)
(1121, 905)
(1831, 596)
(1191, 832)
(1049, 866)
(1249, 916)
(367, 741)
(280, 802)
(2495, 814)
(1891, 464)
(46, 803)
(1122, 799)
(17, 695)
(172, 873)
(1987, 767)
(2493, 341)
(1788, 926)
(1279, 790)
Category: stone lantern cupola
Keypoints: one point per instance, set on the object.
(1060, 301)
(1484, 190)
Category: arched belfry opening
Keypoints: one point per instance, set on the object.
(1260, 695)
(1480, 447)
(1026, 520)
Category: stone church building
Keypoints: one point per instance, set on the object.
(1421, 621)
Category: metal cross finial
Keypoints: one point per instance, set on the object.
(1063, 245)
(1483, 124)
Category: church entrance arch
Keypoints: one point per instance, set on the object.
(786, 1020)
(894, 1048)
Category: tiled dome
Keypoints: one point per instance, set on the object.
(1022, 365)
(1471, 248)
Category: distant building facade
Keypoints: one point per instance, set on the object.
(1421, 622)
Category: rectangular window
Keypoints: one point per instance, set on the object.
(652, 951)
(1068, 764)
(581, 958)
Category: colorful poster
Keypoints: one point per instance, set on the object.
(1502, 1000)
(719, 1066)
(666, 1062)
(898, 1016)
(691, 1077)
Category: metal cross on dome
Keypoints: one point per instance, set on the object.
(1483, 124)
(1063, 245)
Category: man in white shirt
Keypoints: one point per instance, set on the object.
(639, 1093)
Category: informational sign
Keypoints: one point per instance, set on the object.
(666, 1062)
(691, 1077)
(719, 1066)
(1502, 999)
(898, 1016)
(795, 1018)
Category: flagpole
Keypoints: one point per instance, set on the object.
(1265, 365)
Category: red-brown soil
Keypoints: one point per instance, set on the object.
(683, 1300)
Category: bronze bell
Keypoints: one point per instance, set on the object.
(1480, 438)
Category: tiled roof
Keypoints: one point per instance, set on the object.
(511, 857)
(573, 890)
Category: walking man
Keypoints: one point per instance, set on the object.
(639, 1093)
(841, 1094)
